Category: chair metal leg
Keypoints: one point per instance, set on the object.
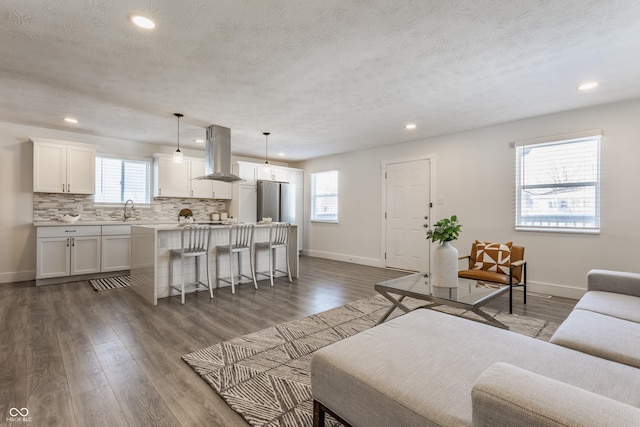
(286, 254)
(208, 276)
(182, 277)
(217, 269)
(233, 286)
(272, 261)
(253, 272)
(171, 283)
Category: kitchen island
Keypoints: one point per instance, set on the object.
(150, 249)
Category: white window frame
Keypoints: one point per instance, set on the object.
(315, 196)
(587, 137)
(149, 196)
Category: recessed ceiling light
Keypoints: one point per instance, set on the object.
(200, 141)
(410, 126)
(588, 85)
(71, 120)
(142, 22)
(281, 154)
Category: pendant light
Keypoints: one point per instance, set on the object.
(267, 167)
(266, 149)
(177, 155)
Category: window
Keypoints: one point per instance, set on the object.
(558, 184)
(324, 196)
(118, 180)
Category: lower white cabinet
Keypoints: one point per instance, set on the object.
(116, 247)
(67, 251)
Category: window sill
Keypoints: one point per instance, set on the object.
(560, 230)
(323, 222)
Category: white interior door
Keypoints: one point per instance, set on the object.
(407, 208)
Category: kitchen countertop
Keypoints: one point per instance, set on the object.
(157, 225)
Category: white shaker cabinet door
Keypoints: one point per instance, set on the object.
(49, 168)
(200, 188)
(173, 178)
(53, 257)
(85, 254)
(81, 170)
(116, 253)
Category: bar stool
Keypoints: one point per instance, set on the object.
(195, 244)
(240, 240)
(278, 238)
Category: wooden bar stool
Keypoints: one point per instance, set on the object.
(240, 240)
(195, 244)
(278, 238)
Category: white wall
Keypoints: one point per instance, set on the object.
(475, 176)
(17, 234)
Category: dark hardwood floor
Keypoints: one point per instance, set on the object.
(76, 357)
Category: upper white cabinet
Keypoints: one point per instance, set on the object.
(178, 179)
(171, 179)
(63, 167)
(252, 172)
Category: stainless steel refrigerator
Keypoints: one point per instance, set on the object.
(276, 200)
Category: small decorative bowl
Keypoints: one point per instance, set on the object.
(69, 218)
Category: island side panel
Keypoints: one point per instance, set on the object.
(143, 257)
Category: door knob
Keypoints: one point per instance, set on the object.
(426, 217)
(425, 225)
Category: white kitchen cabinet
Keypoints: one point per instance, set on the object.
(67, 251)
(179, 179)
(244, 204)
(63, 167)
(199, 188)
(171, 179)
(116, 248)
(222, 190)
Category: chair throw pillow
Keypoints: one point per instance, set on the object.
(493, 257)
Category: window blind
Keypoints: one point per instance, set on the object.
(118, 180)
(324, 196)
(558, 185)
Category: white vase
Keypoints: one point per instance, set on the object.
(445, 266)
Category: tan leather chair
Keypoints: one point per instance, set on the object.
(517, 272)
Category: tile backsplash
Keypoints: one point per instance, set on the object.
(50, 206)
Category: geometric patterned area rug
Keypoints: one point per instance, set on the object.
(110, 283)
(265, 376)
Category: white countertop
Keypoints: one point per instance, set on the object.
(156, 225)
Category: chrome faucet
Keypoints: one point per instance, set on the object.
(128, 213)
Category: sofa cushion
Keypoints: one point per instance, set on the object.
(600, 335)
(612, 304)
(508, 396)
(493, 257)
(419, 369)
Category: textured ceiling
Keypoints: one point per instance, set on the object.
(322, 76)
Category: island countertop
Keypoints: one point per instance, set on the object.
(150, 256)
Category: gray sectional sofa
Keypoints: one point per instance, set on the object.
(427, 368)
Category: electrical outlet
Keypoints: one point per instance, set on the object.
(79, 207)
(157, 208)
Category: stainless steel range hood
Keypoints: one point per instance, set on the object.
(218, 155)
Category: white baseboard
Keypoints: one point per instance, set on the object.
(371, 262)
(555, 290)
(17, 276)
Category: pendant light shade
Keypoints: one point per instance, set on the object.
(177, 155)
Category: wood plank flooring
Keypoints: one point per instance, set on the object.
(76, 357)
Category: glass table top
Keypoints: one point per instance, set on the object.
(469, 291)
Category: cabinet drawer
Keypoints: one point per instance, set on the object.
(69, 231)
(115, 230)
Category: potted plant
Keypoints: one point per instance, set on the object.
(185, 216)
(445, 256)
